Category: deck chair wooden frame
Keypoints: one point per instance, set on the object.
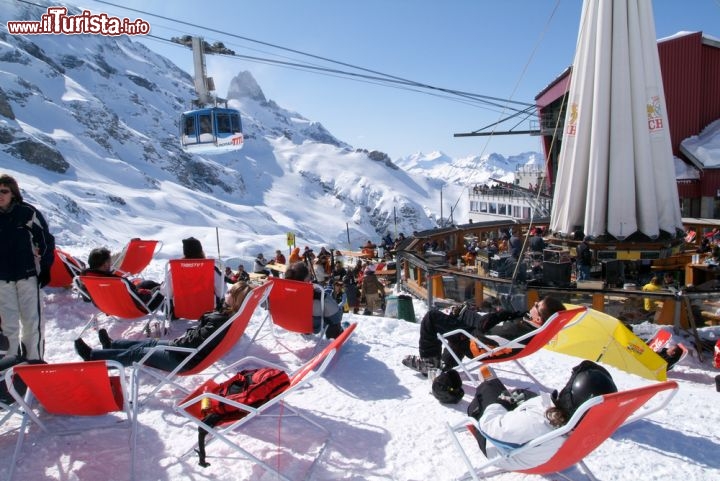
(290, 309)
(136, 256)
(192, 291)
(114, 297)
(78, 389)
(231, 333)
(593, 422)
(64, 269)
(189, 407)
(538, 339)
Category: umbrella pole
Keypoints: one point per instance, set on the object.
(603, 351)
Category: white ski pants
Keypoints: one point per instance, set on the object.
(21, 314)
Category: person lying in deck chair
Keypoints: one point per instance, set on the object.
(515, 417)
(100, 264)
(506, 324)
(128, 351)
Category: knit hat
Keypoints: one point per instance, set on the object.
(192, 248)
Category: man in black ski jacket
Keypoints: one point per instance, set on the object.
(506, 324)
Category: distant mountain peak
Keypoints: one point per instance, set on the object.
(244, 85)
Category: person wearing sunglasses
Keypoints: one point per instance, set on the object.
(27, 248)
(507, 324)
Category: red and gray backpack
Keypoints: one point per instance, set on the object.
(252, 387)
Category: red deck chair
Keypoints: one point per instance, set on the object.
(514, 350)
(660, 340)
(190, 286)
(231, 332)
(136, 256)
(290, 307)
(114, 297)
(64, 269)
(190, 407)
(82, 389)
(593, 422)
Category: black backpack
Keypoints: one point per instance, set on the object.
(252, 387)
(447, 387)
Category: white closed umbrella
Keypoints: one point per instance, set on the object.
(616, 173)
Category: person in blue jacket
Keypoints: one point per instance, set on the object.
(28, 251)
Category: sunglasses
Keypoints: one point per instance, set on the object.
(536, 306)
(4, 191)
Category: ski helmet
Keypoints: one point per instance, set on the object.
(587, 381)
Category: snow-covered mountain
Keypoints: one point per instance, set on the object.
(88, 120)
(467, 170)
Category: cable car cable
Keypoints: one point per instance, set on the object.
(318, 57)
(471, 100)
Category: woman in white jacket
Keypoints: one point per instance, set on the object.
(510, 419)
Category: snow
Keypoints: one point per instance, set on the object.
(706, 146)
(685, 171)
(385, 424)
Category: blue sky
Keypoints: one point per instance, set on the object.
(508, 49)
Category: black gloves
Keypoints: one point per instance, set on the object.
(44, 277)
(507, 400)
(512, 399)
(458, 310)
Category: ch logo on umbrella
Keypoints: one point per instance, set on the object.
(655, 116)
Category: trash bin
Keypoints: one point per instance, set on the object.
(405, 308)
(391, 306)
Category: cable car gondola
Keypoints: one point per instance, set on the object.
(211, 130)
(208, 130)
